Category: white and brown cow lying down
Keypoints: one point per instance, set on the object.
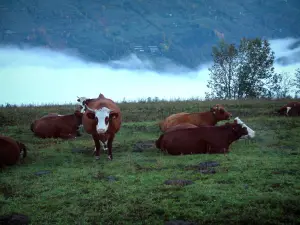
(204, 139)
(290, 109)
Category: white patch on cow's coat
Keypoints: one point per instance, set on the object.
(104, 145)
(287, 110)
(251, 133)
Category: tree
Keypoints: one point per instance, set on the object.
(256, 68)
(282, 86)
(223, 71)
(296, 81)
(243, 72)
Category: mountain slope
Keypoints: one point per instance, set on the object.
(181, 30)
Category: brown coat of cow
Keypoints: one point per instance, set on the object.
(57, 126)
(294, 111)
(212, 117)
(10, 151)
(201, 140)
(90, 121)
(181, 126)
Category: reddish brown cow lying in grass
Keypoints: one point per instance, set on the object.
(201, 140)
(57, 126)
(212, 117)
(290, 109)
(10, 151)
(102, 119)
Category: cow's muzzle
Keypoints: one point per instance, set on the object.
(101, 131)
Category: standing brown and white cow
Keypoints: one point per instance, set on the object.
(102, 119)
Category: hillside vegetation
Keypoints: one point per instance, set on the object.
(61, 183)
(181, 30)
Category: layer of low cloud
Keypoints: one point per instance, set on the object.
(38, 76)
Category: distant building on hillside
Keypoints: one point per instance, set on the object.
(151, 49)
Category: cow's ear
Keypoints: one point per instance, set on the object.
(90, 115)
(114, 115)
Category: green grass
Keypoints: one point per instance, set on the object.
(257, 183)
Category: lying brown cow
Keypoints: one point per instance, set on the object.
(212, 117)
(290, 109)
(201, 140)
(58, 126)
(102, 119)
(10, 151)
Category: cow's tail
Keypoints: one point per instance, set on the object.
(158, 142)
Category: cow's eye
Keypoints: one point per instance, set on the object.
(106, 120)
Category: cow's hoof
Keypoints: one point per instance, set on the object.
(97, 157)
(109, 157)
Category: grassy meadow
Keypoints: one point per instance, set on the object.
(60, 182)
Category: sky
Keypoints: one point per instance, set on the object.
(41, 76)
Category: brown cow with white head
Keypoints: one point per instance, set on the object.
(211, 117)
(102, 119)
(290, 109)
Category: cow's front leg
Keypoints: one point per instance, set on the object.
(97, 147)
(109, 145)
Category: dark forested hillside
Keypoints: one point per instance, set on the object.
(182, 30)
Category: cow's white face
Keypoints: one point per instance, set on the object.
(102, 116)
(251, 133)
(287, 110)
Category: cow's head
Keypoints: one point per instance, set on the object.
(220, 113)
(82, 101)
(250, 132)
(238, 130)
(103, 117)
(287, 110)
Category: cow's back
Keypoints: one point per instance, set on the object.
(190, 138)
(173, 120)
(181, 126)
(197, 119)
(90, 125)
(182, 141)
(9, 151)
(46, 127)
